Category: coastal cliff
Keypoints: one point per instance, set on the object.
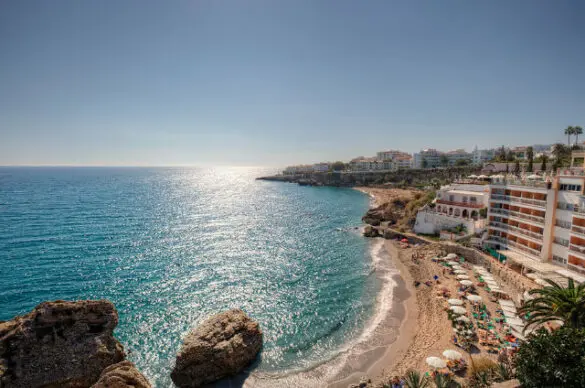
(409, 177)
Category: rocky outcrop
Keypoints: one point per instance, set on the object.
(390, 212)
(221, 346)
(370, 231)
(122, 375)
(59, 344)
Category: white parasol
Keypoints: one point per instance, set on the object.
(452, 355)
(473, 298)
(462, 277)
(455, 302)
(533, 176)
(436, 362)
(458, 310)
(451, 256)
(472, 176)
(466, 282)
(460, 272)
(452, 263)
(463, 319)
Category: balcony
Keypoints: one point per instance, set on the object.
(577, 249)
(499, 211)
(528, 217)
(522, 183)
(460, 204)
(579, 230)
(524, 201)
(516, 230)
(523, 248)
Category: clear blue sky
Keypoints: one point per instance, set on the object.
(263, 82)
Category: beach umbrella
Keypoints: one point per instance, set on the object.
(473, 298)
(451, 256)
(463, 319)
(466, 282)
(460, 272)
(455, 302)
(533, 176)
(458, 310)
(483, 177)
(436, 362)
(472, 176)
(461, 277)
(452, 355)
(533, 276)
(457, 266)
(452, 263)
(404, 240)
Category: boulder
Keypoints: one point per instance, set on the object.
(221, 346)
(59, 344)
(122, 375)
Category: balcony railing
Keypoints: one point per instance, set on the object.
(499, 211)
(519, 182)
(523, 248)
(461, 204)
(516, 229)
(510, 198)
(578, 249)
(578, 229)
(525, 216)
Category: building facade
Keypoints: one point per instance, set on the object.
(542, 219)
(456, 204)
(479, 157)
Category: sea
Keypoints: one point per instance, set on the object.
(172, 246)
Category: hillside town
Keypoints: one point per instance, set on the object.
(394, 160)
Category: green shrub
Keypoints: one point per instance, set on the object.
(554, 359)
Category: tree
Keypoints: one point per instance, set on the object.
(462, 162)
(543, 165)
(530, 157)
(556, 303)
(510, 156)
(562, 155)
(507, 168)
(425, 164)
(517, 167)
(554, 359)
(444, 160)
(501, 157)
(569, 131)
(338, 166)
(577, 130)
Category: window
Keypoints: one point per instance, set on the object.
(563, 224)
(438, 194)
(561, 241)
(464, 199)
(452, 198)
(559, 259)
(567, 187)
(473, 200)
(565, 206)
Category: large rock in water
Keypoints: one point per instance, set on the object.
(122, 375)
(59, 344)
(221, 346)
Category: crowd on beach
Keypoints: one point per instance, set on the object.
(461, 316)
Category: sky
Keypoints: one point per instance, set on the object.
(271, 83)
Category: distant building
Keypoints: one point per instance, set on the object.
(520, 153)
(479, 157)
(427, 158)
(371, 164)
(458, 155)
(321, 167)
(298, 169)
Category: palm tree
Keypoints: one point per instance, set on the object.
(569, 131)
(577, 130)
(442, 381)
(530, 157)
(414, 379)
(556, 303)
(543, 165)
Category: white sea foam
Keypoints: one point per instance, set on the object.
(342, 363)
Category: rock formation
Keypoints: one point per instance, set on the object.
(122, 375)
(370, 231)
(221, 346)
(59, 344)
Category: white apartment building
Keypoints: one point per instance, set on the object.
(298, 169)
(321, 167)
(402, 160)
(431, 158)
(479, 157)
(371, 164)
(541, 220)
(455, 204)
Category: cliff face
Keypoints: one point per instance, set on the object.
(221, 346)
(411, 177)
(59, 344)
(122, 375)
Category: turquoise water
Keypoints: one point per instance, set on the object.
(170, 246)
